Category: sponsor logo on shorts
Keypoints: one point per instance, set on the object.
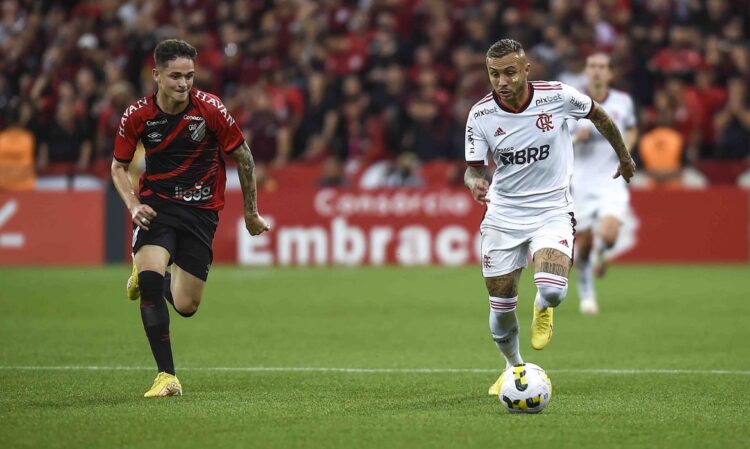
(486, 261)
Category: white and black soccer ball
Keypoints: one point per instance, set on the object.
(525, 388)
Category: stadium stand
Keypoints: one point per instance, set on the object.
(362, 82)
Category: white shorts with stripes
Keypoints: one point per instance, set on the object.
(505, 250)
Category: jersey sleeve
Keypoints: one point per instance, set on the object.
(475, 144)
(128, 134)
(576, 105)
(225, 128)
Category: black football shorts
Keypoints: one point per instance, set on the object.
(186, 232)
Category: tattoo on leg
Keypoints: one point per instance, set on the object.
(505, 286)
(552, 261)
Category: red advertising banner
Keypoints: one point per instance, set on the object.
(674, 226)
(45, 228)
(354, 227)
(440, 226)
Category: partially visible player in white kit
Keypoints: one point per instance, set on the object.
(522, 126)
(600, 202)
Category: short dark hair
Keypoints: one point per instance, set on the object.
(170, 49)
(504, 47)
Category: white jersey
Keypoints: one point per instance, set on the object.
(532, 149)
(595, 160)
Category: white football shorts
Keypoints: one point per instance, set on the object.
(592, 206)
(505, 250)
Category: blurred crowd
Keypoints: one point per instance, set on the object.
(348, 83)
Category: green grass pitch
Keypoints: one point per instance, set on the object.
(637, 376)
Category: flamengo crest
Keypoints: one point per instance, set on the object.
(544, 122)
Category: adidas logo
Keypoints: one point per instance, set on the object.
(499, 132)
(564, 243)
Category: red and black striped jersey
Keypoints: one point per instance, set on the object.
(184, 152)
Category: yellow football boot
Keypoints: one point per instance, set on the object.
(541, 327)
(132, 288)
(164, 385)
(495, 388)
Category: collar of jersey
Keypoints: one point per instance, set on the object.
(507, 108)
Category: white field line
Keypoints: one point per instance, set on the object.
(291, 369)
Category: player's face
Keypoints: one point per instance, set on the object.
(597, 70)
(508, 75)
(175, 79)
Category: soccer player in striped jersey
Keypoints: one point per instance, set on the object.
(600, 203)
(187, 134)
(522, 127)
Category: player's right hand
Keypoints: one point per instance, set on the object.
(479, 189)
(142, 214)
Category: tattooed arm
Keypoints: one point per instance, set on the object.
(474, 180)
(254, 223)
(609, 130)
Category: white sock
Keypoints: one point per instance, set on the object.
(504, 328)
(540, 302)
(585, 277)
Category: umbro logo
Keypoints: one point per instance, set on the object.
(499, 132)
(155, 137)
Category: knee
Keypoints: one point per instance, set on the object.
(153, 306)
(609, 231)
(551, 287)
(609, 239)
(187, 307)
(151, 286)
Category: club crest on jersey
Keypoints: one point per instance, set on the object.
(198, 131)
(499, 132)
(544, 122)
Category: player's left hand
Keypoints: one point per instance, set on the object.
(255, 224)
(626, 170)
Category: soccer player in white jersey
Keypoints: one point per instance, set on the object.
(600, 203)
(522, 127)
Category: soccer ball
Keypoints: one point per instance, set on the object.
(525, 388)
